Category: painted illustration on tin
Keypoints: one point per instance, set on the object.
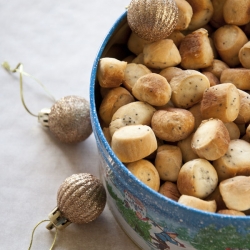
(162, 236)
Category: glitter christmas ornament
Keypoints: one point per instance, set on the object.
(68, 119)
(81, 198)
(152, 20)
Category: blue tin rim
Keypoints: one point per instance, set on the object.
(100, 136)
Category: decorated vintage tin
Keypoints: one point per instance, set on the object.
(151, 220)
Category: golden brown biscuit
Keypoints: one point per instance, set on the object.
(170, 72)
(216, 196)
(170, 190)
(136, 44)
(236, 13)
(168, 162)
(145, 172)
(185, 13)
(153, 89)
(185, 145)
(139, 59)
(244, 112)
(129, 58)
(217, 19)
(202, 13)
(248, 131)
(196, 51)
(240, 77)
(177, 37)
(216, 68)
(233, 130)
(196, 111)
(110, 72)
(244, 55)
(172, 124)
(213, 80)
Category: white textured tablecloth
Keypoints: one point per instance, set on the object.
(57, 42)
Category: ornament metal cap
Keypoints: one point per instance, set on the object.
(43, 117)
(57, 220)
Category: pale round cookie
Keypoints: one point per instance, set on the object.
(211, 139)
(216, 68)
(221, 101)
(185, 146)
(236, 13)
(113, 100)
(146, 172)
(132, 73)
(136, 44)
(185, 13)
(133, 113)
(236, 160)
(216, 195)
(177, 37)
(187, 88)
(240, 77)
(202, 13)
(196, 111)
(170, 72)
(213, 80)
(194, 202)
(235, 192)
(197, 178)
(217, 19)
(244, 55)
(134, 142)
(228, 45)
(233, 130)
(161, 54)
(168, 162)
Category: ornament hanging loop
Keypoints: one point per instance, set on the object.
(31, 241)
(19, 68)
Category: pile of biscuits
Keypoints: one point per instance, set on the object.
(176, 111)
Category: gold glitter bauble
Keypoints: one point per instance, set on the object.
(69, 119)
(81, 198)
(152, 20)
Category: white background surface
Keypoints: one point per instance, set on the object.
(57, 42)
